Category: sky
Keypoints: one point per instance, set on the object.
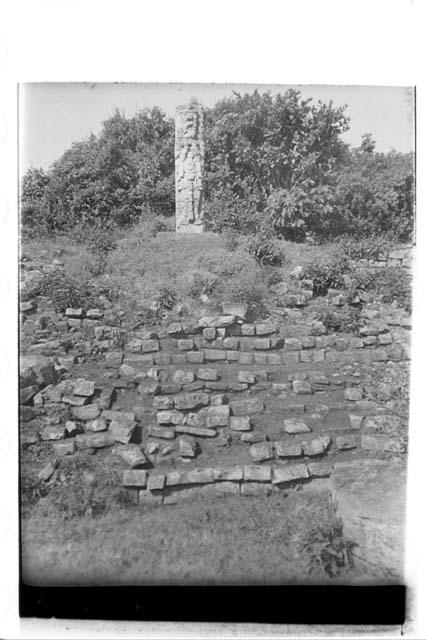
(54, 115)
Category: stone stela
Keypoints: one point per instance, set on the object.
(189, 167)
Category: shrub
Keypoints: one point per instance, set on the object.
(329, 552)
(326, 275)
(248, 287)
(65, 292)
(225, 211)
(394, 284)
(112, 178)
(345, 321)
(102, 241)
(375, 192)
(166, 297)
(265, 249)
(198, 283)
(299, 211)
(370, 248)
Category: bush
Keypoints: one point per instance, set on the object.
(225, 211)
(328, 550)
(65, 292)
(371, 248)
(113, 178)
(247, 287)
(299, 211)
(265, 249)
(347, 321)
(326, 275)
(394, 284)
(166, 297)
(198, 283)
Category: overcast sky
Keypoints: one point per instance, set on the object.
(54, 115)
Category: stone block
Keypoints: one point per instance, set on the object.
(187, 447)
(183, 376)
(165, 433)
(274, 358)
(156, 482)
(64, 447)
(161, 359)
(292, 344)
(347, 441)
(195, 357)
(174, 328)
(191, 400)
(216, 385)
(234, 474)
(286, 449)
(246, 376)
(84, 388)
(317, 446)
(132, 455)
(121, 432)
(301, 387)
(245, 358)
(246, 406)
(320, 469)
(308, 342)
(290, 473)
(94, 440)
(232, 356)
(292, 426)
(262, 344)
(87, 412)
(163, 403)
(265, 328)
(209, 333)
(254, 473)
(148, 346)
(214, 354)
(99, 424)
(231, 343)
(135, 478)
(355, 421)
(178, 358)
(185, 344)
(291, 357)
(248, 329)
(198, 432)
(218, 416)
(171, 417)
(240, 423)
(261, 451)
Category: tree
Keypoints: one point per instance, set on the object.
(114, 178)
(259, 145)
(33, 187)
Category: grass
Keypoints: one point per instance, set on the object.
(190, 543)
(183, 265)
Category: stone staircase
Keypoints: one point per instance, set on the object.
(223, 406)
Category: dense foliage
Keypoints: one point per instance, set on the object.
(263, 152)
(275, 166)
(110, 179)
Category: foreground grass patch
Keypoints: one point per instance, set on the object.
(225, 541)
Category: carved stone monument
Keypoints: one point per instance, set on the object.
(189, 167)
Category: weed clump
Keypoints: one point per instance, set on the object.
(328, 550)
(65, 292)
